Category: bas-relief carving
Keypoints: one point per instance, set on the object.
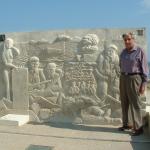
(67, 78)
(8, 52)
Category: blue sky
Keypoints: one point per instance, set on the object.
(38, 15)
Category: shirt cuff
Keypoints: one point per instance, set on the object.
(144, 83)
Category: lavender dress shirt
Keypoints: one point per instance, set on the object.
(134, 61)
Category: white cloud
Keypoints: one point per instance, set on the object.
(145, 4)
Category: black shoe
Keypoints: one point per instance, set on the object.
(137, 132)
(125, 127)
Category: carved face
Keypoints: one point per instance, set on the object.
(9, 43)
(73, 83)
(129, 42)
(83, 83)
(78, 84)
(51, 70)
(107, 53)
(111, 52)
(34, 64)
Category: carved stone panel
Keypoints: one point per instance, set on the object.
(64, 76)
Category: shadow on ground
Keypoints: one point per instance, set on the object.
(83, 127)
(39, 147)
(141, 142)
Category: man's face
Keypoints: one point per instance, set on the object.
(129, 42)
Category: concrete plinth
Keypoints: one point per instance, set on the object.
(14, 120)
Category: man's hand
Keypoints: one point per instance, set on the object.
(142, 89)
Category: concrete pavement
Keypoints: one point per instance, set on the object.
(69, 137)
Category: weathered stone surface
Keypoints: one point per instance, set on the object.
(20, 89)
(67, 76)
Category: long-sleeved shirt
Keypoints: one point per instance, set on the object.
(134, 61)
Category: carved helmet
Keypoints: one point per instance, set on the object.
(51, 65)
(34, 59)
(114, 47)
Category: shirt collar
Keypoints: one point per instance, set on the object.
(133, 49)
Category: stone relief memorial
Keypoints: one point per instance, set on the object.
(64, 76)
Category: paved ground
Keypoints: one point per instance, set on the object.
(69, 137)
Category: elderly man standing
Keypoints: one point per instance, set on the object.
(134, 74)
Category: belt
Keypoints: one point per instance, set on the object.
(131, 74)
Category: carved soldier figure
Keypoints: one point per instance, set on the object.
(106, 74)
(51, 74)
(105, 64)
(54, 86)
(37, 86)
(74, 89)
(36, 74)
(102, 72)
(83, 88)
(8, 53)
(114, 75)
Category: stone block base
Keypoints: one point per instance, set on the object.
(14, 120)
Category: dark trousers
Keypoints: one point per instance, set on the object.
(129, 95)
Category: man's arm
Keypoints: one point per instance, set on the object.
(145, 72)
